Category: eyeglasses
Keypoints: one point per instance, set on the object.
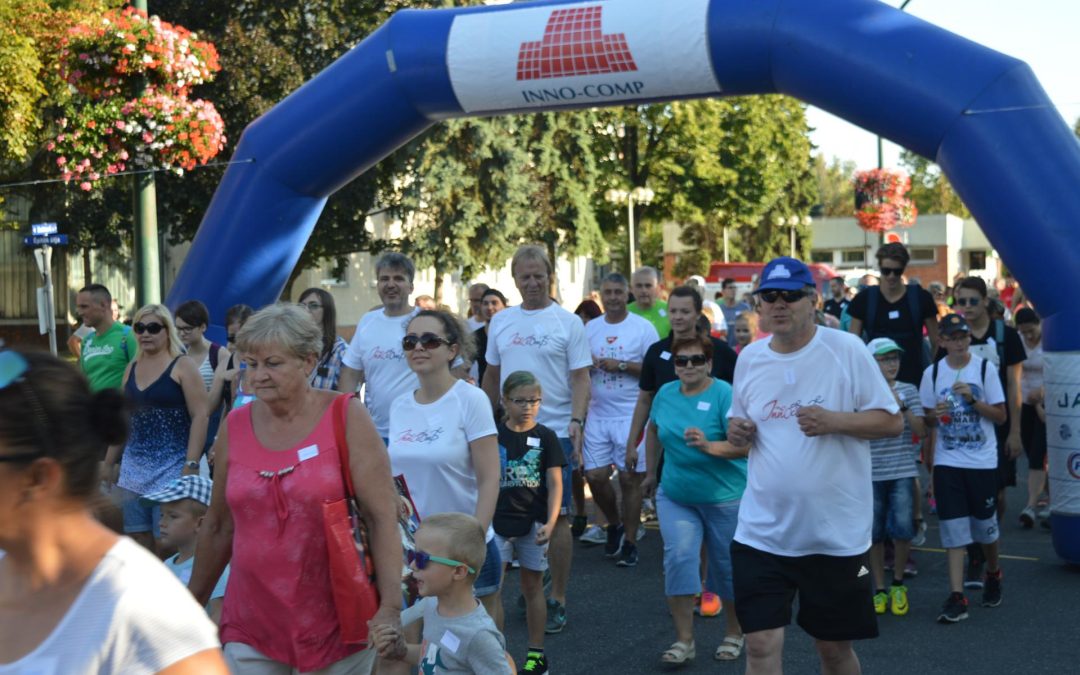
(891, 271)
(422, 558)
(152, 328)
(13, 368)
(530, 402)
(788, 296)
(231, 338)
(183, 330)
(967, 302)
(692, 360)
(428, 341)
(311, 306)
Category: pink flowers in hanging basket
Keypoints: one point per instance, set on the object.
(881, 201)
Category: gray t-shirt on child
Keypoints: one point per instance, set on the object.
(894, 458)
(458, 645)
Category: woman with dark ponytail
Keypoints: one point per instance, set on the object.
(74, 596)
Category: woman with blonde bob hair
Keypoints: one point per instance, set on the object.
(277, 464)
(168, 423)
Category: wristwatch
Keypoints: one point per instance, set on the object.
(622, 366)
(191, 464)
(581, 422)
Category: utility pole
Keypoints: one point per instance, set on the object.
(144, 199)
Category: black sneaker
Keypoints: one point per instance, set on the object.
(974, 576)
(615, 539)
(535, 663)
(991, 595)
(954, 610)
(577, 526)
(628, 557)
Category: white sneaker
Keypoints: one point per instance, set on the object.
(920, 534)
(594, 534)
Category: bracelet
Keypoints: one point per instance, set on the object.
(191, 464)
(581, 422)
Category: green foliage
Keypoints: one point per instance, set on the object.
(20, 86)
(836, 194)
(930, 189)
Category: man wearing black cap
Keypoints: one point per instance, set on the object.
(807, 401)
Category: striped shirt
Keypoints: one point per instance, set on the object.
(892, 458)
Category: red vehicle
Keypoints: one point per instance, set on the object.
(745, 273)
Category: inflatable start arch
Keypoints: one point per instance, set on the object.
(981, 115)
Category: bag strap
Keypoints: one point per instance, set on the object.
(340, 410)
(999, 337)
(871, 311)
(933, 375)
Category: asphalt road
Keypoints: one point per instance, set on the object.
(617, 620)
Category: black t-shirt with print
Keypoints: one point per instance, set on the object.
(893, 320)
(524, 458)
(836, 307)
(658, 368)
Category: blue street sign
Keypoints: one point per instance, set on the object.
(43, 228)
(49, 239)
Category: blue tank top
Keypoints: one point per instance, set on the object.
(157, 445)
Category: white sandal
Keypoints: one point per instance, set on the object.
(730, 648)
(678, 653)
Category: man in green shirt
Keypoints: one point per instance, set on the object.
(646, 304)
(110, 346)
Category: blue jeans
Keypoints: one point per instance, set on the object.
(567, 477)
(139, 517)
(684, 527)
(894, 504)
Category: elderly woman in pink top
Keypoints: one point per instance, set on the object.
(277, 463)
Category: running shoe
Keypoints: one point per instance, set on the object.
(710, 604)
(629, 556)
(1027, 518)
(615, 538)
(556, 617)
(898, 602)
(594, 534)
(974, 576)
(535, 663)
(577, 526)
(910, 568)
(991, 595)
(648, 509)
(920, 533)
(881, 602)
(954, 610)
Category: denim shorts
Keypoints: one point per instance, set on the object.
(567, 477)
(490, 576)
(684, 527)
(894, 502)
(139, 517)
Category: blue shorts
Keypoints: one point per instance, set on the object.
(894, 502)
(139, 517)
(684, 527)
(490, 576)
(567, 477)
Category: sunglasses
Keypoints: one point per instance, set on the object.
(788, 296)
(231, 338)
(428, 341)
(13, 368)
(421, 559)
(525, 401)
(891, 271)
(692, 360)
(967, 302)
(152, 328)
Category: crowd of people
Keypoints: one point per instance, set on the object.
(221, 460)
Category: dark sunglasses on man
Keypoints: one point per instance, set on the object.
(788, 296)
(891, 271)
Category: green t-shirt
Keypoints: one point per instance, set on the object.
(104, 357)
(656, 315)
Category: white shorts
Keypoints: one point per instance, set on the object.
(605, 443)
(531, 555)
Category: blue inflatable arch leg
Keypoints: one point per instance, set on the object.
(980, 114)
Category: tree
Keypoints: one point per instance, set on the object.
(836, 196)
(930, 189)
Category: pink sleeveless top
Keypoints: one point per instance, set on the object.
(278, 599)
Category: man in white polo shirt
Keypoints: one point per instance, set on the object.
(807, 402)
(375, 356)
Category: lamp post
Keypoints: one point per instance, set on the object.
(638, 195)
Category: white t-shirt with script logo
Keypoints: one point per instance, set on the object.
(548, 343)
(614, 395)
(376, 351)
(806, 495)
(429, 444)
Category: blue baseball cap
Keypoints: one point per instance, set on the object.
(785, 274)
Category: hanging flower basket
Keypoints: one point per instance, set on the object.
(103, 130)
(881, 201)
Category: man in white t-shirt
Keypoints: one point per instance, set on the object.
(618, 341)
(807, 402)
(476, 306)
(375, 356)
(548, 341)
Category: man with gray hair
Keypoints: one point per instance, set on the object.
(375, 356)
(476, 318)
(647, 303)
(618, 341)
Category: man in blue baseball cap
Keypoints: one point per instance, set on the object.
(807, 402)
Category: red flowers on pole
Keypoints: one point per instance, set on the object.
(881, 201)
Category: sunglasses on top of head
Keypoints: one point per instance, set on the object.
(422, 558)
(426, 340)
(788, 296)
(152, 328)
(691, 360)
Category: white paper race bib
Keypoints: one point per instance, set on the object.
(450, 641)
(532, 442)
(895, 314)
(665, 355)
(703, 405)
(310, 452)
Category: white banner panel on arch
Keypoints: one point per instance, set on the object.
(593, 53)
(1062, 382)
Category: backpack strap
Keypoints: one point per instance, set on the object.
(125, 330)
(213, 356)
(933, 375)
(982, 374)
(999, 338)
(871, 311)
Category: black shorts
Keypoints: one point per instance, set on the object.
(836, 594)
(966, 505)
(1033, 435)
(1006, 468)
